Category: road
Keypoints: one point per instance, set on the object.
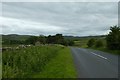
(94, 64)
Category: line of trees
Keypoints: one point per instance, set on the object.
(55, 39)
(51, 39)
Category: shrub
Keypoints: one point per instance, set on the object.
(91, 42)
(99, 43)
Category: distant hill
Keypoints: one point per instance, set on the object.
(81, 37)
(24, 37)
(15, 37)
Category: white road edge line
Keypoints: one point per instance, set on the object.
(98, 55)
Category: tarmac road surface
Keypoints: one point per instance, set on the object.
(94, 64)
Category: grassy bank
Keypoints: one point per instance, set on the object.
(83, 44)
(38, 61)
(0, 71)
(23, 62)
(59, 67)
(116, 52)
(0, 64)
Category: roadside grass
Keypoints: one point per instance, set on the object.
(59, 67)
(116, 52)
(21, 63)
(49, 61)
(0, 64)
(0, 70)
(104, 49)
(82, 43)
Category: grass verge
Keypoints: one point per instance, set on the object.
(25, 61)
(0, 65)
(59, 67)
(0, 71)
(116, 52)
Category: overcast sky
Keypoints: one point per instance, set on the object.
(68, 18)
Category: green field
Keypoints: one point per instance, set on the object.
(51, 61)
(83, 44)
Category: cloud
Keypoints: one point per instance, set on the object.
(69, 18)
(27, 27)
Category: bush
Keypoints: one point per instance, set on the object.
(99, 43)
(31, 40)
(91, 42)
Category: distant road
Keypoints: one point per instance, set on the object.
(95, 64)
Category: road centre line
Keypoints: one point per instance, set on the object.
(98, 55)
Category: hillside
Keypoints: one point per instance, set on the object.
(83, 37)
(15, 37)
(24, 37)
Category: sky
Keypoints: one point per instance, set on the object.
(67, 18)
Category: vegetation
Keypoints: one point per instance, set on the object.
(81, 42)
(91, 42)
(113, 38)
(36, 59)
(109, 44)
(59, 67)
(55, 39)
(31, 40)
(99, 43)
(51, 60)
(13, 39)
(19, 63)
(104, 49)
(24, 62)
(0, 65)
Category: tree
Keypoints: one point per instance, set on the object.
(67, 42)
(50, 39)
(70, 42)
(31, 40)
(42, 39)
(113, 38)
(58, 38)
(99, 43)
(91, 42)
